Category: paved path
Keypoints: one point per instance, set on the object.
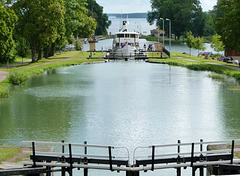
(227, 66)
(4, 75)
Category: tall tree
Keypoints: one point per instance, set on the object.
(7, 24)
(40, 22)
(96, 11)
(77, 21)
(185, 15)
(228, 24)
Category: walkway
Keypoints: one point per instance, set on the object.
(4, 75)
(227, 66)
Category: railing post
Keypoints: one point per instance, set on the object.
(153, 157)
(63, 168)
(70, 160)
(85, 158)
(232, 152)
(179, 169)
(201, 173)
(110, 157)
(192, 160)
(34, 154)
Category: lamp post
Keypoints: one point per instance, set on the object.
(170, 36)
(163, 30)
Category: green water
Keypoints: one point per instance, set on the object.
(121, 103)
(126, 104)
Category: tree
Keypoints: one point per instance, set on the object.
(7, 24)
(198, 44)
(22, 47)
(77, 21)
(216, 43)
(228, 24)
(185, 15)
(78, 45)
(40, 22)
(96, 11)
(190, 41)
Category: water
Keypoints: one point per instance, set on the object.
(141, 25)
(127, 104)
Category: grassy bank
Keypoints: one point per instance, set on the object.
(201, 64)
(32, 69)
(8, 153)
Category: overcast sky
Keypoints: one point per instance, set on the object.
(131, 6)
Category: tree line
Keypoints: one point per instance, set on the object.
(223, 22)
(46, 25)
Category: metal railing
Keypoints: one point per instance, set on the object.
(193, 155)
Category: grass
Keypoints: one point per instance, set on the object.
(8, 152)
(201, 64)
(31, 69)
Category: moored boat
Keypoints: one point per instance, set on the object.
(126, 45)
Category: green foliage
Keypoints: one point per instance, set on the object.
(77, 23)
(216, 43)
(42, 22)
(199, 45)
(185, 15)
(78, 45)
(228, 24)
(210, 19)
(22, 47)
(17, 78)
(7, 22)
(96, 11)
(190, 40)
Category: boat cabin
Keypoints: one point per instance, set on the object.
(126, 38)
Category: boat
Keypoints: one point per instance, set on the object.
(126, 45)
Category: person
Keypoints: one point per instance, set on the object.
(144, 46)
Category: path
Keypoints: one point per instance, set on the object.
(227, 66)
(4, 75)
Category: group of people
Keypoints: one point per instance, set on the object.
(150, 47)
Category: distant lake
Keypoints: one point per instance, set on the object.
(135, 24)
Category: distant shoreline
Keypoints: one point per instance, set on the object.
(129, 15)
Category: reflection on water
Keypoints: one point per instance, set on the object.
(122, 104)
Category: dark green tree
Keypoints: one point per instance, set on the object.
(96, 11)
(40, 22)
(77, 22)
(228, 24)
(185, 15)
(7, 25)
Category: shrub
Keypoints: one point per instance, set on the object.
(17, 78)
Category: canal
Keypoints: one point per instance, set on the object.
(121, 103)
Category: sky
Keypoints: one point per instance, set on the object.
(132, 6)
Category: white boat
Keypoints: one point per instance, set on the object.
(126, 45)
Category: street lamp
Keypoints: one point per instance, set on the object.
(170, 38)
(163, 30)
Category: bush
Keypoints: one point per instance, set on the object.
(17, 78)
(78, 45)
